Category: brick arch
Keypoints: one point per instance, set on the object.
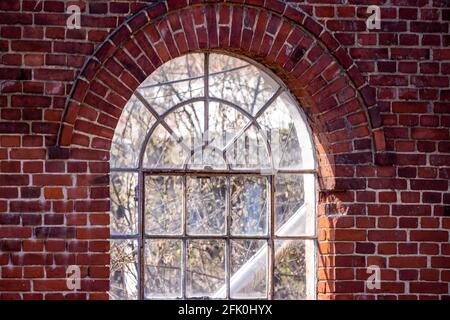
(341, 108)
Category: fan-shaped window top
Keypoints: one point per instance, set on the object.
(212, 186)
(217, 113)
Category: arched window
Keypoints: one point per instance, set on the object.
(212, 186)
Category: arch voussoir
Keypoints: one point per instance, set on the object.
(340, 107)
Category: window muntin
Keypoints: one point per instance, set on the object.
(212, 186)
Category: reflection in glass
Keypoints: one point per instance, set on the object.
(249, 151)
(207, 159)
(205, 205)
(163, 151)
(175, 81)
(248, 205)
(248, 269)
(130, 132)
(289, 199)
(162, 269)
(290, 270)
(281, 130)
(239, 82)
(205, 267)
(224, 123)
(187, 122)
(163, 204)
(123, 270)
(200, 229)
(123, 187)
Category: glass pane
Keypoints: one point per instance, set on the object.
(124, 202)
(249, 151)
(282, 125)
(239, 82)
(178, 80)
(249, 205)
(224, 123)
(290, 274)
(207, 159)
(249, 269)
(188, 123)
(124, 270)
(163, 204)
(162, 269)
(206, 205)
(205, 267)
(163, 151)
(294, 204)
(130, 132)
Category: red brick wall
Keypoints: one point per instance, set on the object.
(378, 103)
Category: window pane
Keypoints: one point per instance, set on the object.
(249, 269)
(162, 269)
(188, 122)
(124, 270)
(163, 151)
(124, 202)
(290, 270)
(197, 206)
(294, 204)
(239, 82)
(249, 205)
(207, 159)
(163, 204)
(224, 123)
(249, 151)
(130, 132)
(205, 267)
(177, 80)
(281, 123)
(206, 205)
